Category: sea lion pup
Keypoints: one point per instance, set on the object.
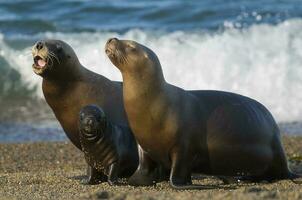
(68, 86)
(214, 133)
(107, 147)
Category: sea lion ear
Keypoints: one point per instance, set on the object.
(146, 55)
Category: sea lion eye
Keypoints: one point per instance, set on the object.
(132, 48)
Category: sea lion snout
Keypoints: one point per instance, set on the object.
(40, 57)
(110, 46)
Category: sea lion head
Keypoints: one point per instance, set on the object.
(53, 58)
(130, 56)
(92, 122)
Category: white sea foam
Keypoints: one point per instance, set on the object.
(263, 61)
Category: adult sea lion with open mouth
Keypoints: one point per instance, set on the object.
(106, 146)
(68, 86)
(209, 132)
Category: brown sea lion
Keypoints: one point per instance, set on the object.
(68, 86)
(210, 132)
(107, 147)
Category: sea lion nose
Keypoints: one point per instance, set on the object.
(89, 121)
(39, 45)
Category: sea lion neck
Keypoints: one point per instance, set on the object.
(59, 84)
(139, 83)
(67, 73)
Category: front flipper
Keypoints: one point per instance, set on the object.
(113, 174)
(145, 174)
(94, 176)
(180, 175)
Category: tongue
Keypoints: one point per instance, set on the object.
(41, 63)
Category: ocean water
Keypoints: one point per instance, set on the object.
(249, 47)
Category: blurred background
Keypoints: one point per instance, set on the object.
(251, 47)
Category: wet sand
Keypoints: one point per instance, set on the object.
(52, 170)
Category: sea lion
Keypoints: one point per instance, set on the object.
(107, 147)
(210, 132)
(68, 86)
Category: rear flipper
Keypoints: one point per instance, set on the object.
(230, 179)
(245, 179)
(146, 173)
(94, 176)
(292, 176)
(269, 178)
(113, 174)
(279, 169)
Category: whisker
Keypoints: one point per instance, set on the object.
(50, 59)
(54, 55)
(124, 59)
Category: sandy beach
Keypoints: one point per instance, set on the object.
(253, 48)
(55, 170)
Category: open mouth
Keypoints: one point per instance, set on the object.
(110, 49)
(39, 62)
(110, 53)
